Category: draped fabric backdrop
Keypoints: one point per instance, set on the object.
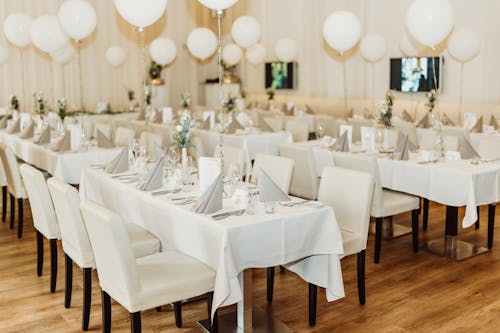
(320, 69)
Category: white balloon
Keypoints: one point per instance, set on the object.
(115, 56)
(286, 49)
(17, 29)
(202, 43)
(256, 54)
(232, 54)
(78, 18)
(4, 55)
(463, 45)
(141, 13)
(342, 30)
(373, 48)
(46, 33)
(408, 46)
(218, 4)
(430, 21)
(246, 31)
(64, 55)
(163, 51)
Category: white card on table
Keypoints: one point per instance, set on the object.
(76, 136)
(211, 115)
(208, 169)
(168, 115)
(453, 155)
(368, 139)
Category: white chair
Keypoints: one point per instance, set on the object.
(15, 186)
(410, 130)
(298, 128)
(280, 169)
(330, 125)
(198, 149)
(151, 141)
(427, 139)
(489, 149)
(76, 243)
(163, 131)
(232, 156)
(105, 129)
(356, 127)
(275, 123)
(145, 283)
(124, 137)
(385, 203)
(304, 182)
(44, 218)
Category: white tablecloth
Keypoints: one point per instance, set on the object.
(475, 138)
(307, 240)
(66, 166)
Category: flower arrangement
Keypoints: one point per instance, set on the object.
(185, 100)
(14, 103)
(431, 100)
(147, 95)
(39, 103)
(229, 103)
(180, 138)
(131, 96)
(385, 112)
(61, 107)
(270, 94)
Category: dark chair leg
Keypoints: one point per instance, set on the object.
(39, 256)
(135, 322)
(4, 203)
(477, 222)
(313, 296)
(21, 218)
(361, 277)
(87, 297)
(414, 229)
(158, 309)
(12, 211)
(106, 312)
(68, 290)
(215, 323)
(270, 284)
(178, 314)
(53, 265)
(425, 218)
(378, 238)
(491, 224)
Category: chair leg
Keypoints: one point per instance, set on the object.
(313, 296)
(361, 277)
(270, 284)
(135, 322)
(425, 218)
(158, 309)
(4, 203)
(39, 250)
(106, 312)
(491, 224)
(178, 314)
(215, 323)
(477, 222)
(87, 297)
(21, 218)
(53, 265)
(12, 211)
(414, 229)
(378, 238)
(68, 290)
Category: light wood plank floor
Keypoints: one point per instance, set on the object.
(405, 292)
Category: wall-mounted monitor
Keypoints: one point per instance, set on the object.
(416, 74)
(281, 75)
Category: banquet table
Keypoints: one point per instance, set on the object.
(307, 240)
(66, 166)
(475, 138)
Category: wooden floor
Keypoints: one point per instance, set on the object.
(406, 292)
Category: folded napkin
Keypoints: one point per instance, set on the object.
(342, 144)
(208, 169)
(211, 199)
(3, 122)
(350, 114)
(407, 117)
(284, 108)
(205, 124)
(44, 137)
(14, 127)
(424, 122)
(466, 149)
(64, 143)
(154, 179)
(268, 190)
(405, 146)
(118, 164)
(478, 127)
(28, 131)
(157, 118)
(142, 115)
(103, 141)
(308, 109)
(265, 127)
(446, 120)
(234, 126)
(369, 115)
(493, 122)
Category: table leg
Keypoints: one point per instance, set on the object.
(245, 310)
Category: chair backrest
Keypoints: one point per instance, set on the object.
(104, 128)
(124, 137)
(366, 164)
(280, 169)
(198, 149)
(427, 140)
(489, 149)
(391, 138)
(350, 194)
(14, 182)
(232, 156)
(75, 240)
(150, 141)
(452, 136)
(330, 125)
(410, 130)
(356, 127)
(298, 128)
(115, 262)
(163, 131)
(42, 209)
(304, 178)
(276, 123)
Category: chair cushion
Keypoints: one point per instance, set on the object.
(352, 242)
(394, 203)
(143, 242)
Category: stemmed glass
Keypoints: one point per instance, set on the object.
(320, 131)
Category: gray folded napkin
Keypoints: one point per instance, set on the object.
(234, 126)
(103, 141)
(407, 117)
(284, 108)
(28, 131)
(342, 144)
(3, 122)
(350, 114)
(466, 149)
(308, 109)
(14, 127)
(424, 122)
(205, 124)
(211, 200)
(44, 137)
(157, 118)
(369, 115)
(268, 190)
(64, 143)
(478, 128)
(154, 179)
(405, 146)
(493, 122)
(265, 127)
(447, 121)
(118, 164)
(142, 114)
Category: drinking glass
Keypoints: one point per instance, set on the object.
(320, 131)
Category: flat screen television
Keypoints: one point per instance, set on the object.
(281, 75)
(415, 74)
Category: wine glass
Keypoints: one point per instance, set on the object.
(234, 172)
(320, 131)
(379, 138)
(173, 157)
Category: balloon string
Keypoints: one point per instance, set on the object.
(221, 97)
(373, 87)
(82, 106)
(24, 82)
(345, 86)
(52, 81)
(461, 92)
(144, 78)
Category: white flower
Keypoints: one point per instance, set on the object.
(383, 111)
(178, 128)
